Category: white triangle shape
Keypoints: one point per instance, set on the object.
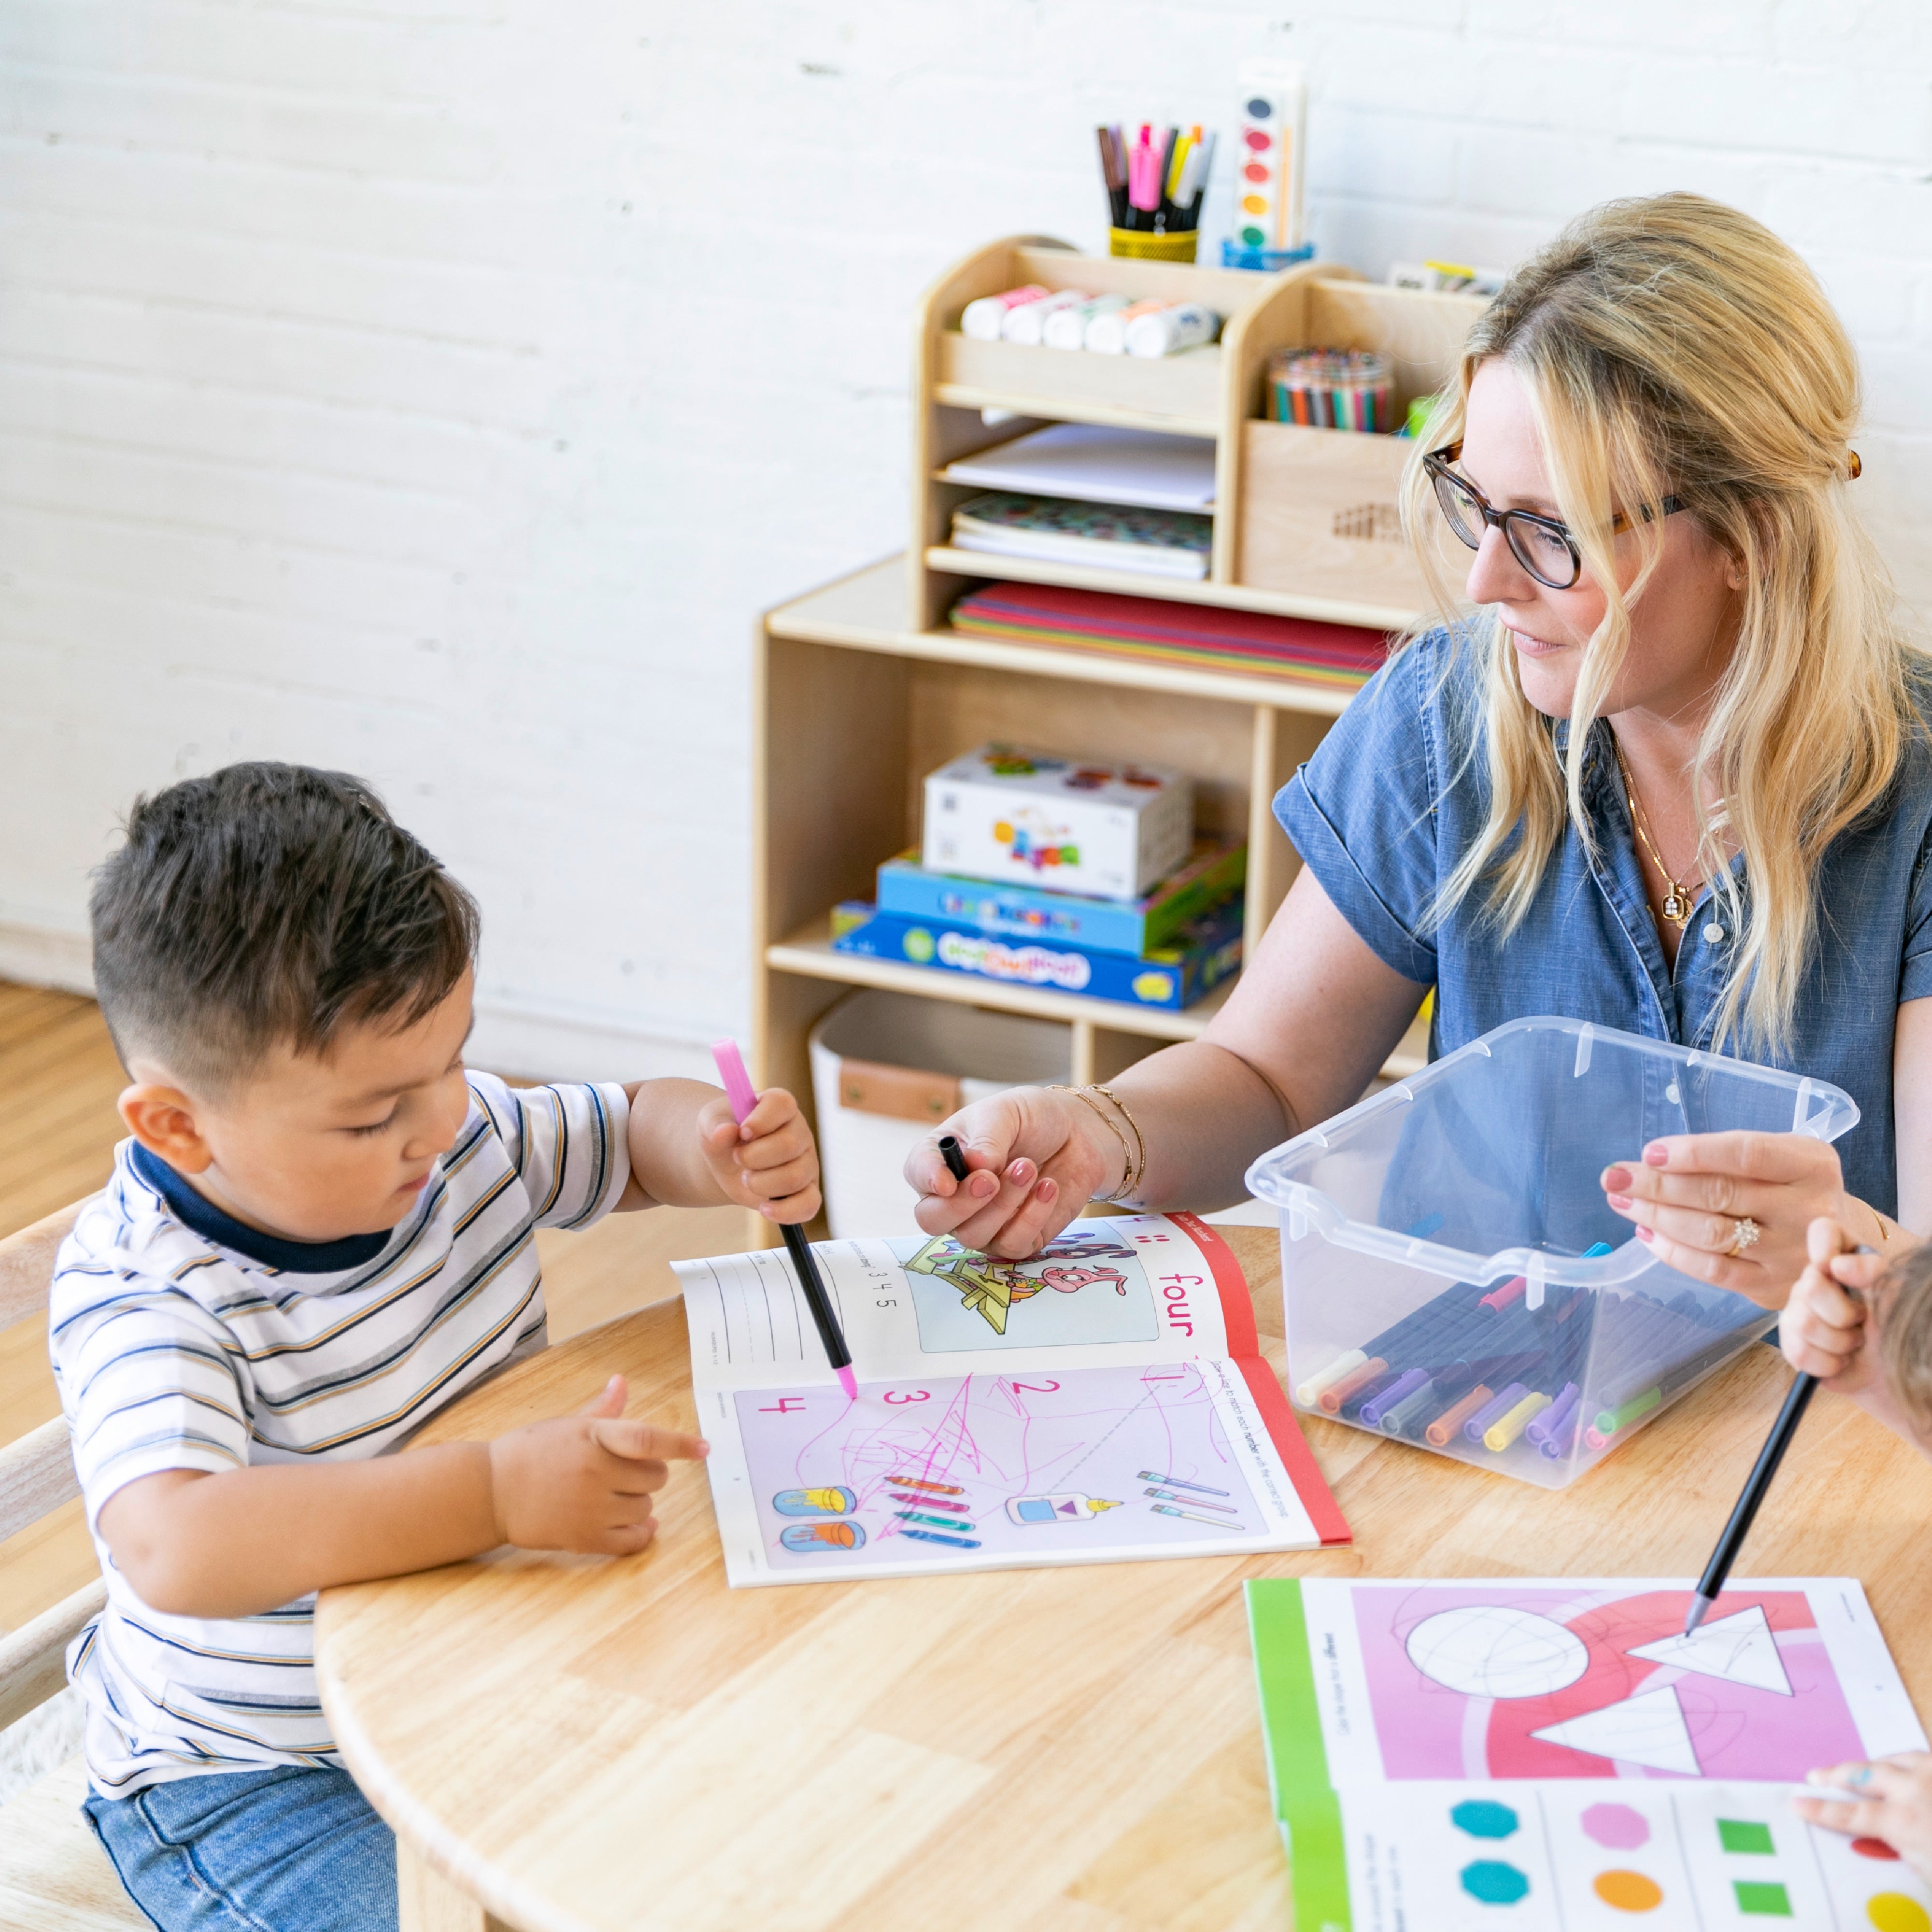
(1647, 1729)
(1741, 1649)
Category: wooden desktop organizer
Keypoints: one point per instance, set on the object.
(862, 687)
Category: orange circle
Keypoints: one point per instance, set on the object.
(1631, 1891)
(1893, 1911)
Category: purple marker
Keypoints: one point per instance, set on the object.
(1372, 1411)
(1496, 1406)
(1553, 1417)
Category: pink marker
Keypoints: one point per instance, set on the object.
(739, 1090)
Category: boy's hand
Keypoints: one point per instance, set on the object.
(584, 1482)
(769, 1162)
(1894, 1805)
(1824, 1331)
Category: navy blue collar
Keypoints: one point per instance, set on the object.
(196, 1212)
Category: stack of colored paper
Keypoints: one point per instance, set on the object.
(1155, 630)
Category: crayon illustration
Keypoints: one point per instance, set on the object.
(836, 1501)
(807, 1536)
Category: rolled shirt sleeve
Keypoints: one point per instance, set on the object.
(1362, 813)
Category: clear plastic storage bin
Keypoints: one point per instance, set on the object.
(1436, 1276)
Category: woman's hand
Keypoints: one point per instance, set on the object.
(1037, 1155)
(1690, 1192)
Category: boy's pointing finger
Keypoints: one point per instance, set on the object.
(645, 1441)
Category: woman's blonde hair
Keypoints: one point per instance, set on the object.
(1673, 347)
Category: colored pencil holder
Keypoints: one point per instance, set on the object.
(1176, 245)
(1436, 1238)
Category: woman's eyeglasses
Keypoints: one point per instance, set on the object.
(1542, 545)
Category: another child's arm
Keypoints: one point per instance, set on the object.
(1894, 1805)
(687, 1151)
(196, 1544)
(1831, 1326)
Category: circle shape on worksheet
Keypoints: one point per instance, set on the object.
(1489, 1650)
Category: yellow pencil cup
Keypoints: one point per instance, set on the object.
(1177, 246)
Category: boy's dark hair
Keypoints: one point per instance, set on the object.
(269, 905)
(1906, 1346)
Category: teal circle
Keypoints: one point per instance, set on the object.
(1254, 237)
(917, 945)
(1484, 1818)
(1494, 1883)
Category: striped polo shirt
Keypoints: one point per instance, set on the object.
(181, 1340)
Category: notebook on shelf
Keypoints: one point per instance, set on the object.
(1158, 631)
(1103, 536)
(1096, 464)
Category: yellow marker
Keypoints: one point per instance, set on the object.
(1506, 1429)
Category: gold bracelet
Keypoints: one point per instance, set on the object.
(1082, 1093)
(1884, 1232)
(1140, 1169)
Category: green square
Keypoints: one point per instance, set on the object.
(1763, 1896)
(1743, 1834)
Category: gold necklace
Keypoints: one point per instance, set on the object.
(1677, 901)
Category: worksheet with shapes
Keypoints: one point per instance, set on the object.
(1103, 1400)
(1477, 1754)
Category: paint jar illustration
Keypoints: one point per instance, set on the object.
(807, 1536)
(835, 1501)
(1056, 1509)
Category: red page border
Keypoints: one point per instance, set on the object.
(1237, 1310)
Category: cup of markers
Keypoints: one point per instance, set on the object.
(1333, 388)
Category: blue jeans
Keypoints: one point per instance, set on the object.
(283, 1850)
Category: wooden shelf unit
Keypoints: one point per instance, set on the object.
(862, 687)
(1305, 520)
(852, 709)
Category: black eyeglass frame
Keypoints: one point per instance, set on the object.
(1436, 464)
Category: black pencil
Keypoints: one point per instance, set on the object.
(950, 1153)
(1756, 1485)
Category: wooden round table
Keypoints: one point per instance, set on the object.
(573, 1744)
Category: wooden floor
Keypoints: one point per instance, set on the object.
(58, 1081)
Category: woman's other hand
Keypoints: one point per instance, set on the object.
(1690, 1193)
(1035, 1156)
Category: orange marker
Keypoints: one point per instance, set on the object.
(1331, 1399)
(1444, 1428)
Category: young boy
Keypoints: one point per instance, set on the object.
(1873, 1346)
(320, 1232)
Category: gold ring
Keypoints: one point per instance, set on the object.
(1746, 1236)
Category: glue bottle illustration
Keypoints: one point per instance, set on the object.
(1056, 1509)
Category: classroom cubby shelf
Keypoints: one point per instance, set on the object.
(852, 708)
(862, 687)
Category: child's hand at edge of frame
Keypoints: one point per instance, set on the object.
(768, 1162)
(1894, 1805)
(1825, 1329)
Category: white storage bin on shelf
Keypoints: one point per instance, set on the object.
(1434, 1275)
(885, 1067)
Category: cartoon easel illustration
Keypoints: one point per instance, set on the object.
(991, 1286)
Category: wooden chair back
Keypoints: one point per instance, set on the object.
(36, 1476)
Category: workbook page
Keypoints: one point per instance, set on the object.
(1136, 1288)
(1441, 1750)
(1103, 1401)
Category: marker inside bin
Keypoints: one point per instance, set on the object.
(1452, 1275)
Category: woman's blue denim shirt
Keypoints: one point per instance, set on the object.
(1392, 799)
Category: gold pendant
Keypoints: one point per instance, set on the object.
(1675, 910)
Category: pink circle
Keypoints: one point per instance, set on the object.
(1616, 1827)
(1257, 140)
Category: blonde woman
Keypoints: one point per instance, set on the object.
(1670, 774)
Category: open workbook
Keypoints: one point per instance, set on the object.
(1448, 1756)
(1103, 1401)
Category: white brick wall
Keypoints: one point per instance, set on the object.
(439, 388)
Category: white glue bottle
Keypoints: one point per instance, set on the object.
(1025, 322)
(1186, 325)
(1107, 334)
(1066, 328)
(981, 320)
